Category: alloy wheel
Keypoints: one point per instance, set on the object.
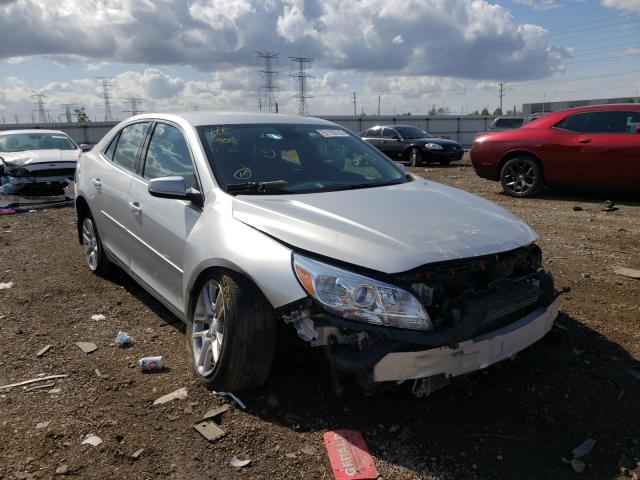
(520, 176)
(90, 244)
(207, 333)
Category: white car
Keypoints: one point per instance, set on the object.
(37, 161)
(242, 224)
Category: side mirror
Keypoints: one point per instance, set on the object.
(174, 188)
(84, 147)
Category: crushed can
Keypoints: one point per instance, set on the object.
(151, 364)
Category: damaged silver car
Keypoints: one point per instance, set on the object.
(244, 225)
(37, 162)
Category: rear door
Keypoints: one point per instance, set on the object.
(111, 178)
(372, 136)
(161, 226)
(608, 150)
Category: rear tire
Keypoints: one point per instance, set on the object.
(522, 176)
(231, 333)
(92, 245)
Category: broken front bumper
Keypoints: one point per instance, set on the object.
(471, 355)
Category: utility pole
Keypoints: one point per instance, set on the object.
(301, 76)
(355, 105)
(15, 117)
(194, 107)
(67, 111)
(106, 94)
(378, 105)
(501, 95)
(259, 103)
(269, 88)
(134, 103)
(42, 114)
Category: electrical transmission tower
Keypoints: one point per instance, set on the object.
(355, 104)
(42, 113)
(267, 91)
(106, 93)
(301, 76)
(67, 111)
(134, 104)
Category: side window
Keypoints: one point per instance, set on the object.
(573, 123)
(610, 122)
(127, 147)
(168, 155)
(373, 133)
(389, 133)
(112, 147)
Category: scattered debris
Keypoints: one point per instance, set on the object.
(98, 317)
(237, 463)
(584, 448)
(273, 401)
(100, 374)
(308, 450)
(53, 391)
(214, 412)
(92, 440)
(33, 210)
(232, 397)
(608, 206)
(34, 380)
(43, 425)
(577, 208)
(43, 350)
(627, 272)
(209, 430)
(290, 455)
(151, 364)
(349, 455)
(179, 394)
(137, 454)
(62, 470)
(577, 465)
(39, 387)
(4, 286)
(123, 339)
(87, 347)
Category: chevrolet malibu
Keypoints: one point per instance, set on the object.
(36, 161)
(247, 224)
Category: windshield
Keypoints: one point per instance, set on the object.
(289, 158)
(412, 132)
(19, 142)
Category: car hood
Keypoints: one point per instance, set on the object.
(29, 157)
(390, 229)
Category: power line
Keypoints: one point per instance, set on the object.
(106, 93)
(301, 77)
(269, 88)
(134, 103)
(42, 113)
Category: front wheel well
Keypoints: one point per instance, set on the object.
(519, 153)
(82, 207)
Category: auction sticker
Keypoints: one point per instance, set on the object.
(349, 455)
(333, 133)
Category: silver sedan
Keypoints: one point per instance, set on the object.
(245, 224)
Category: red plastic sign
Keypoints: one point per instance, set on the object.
(349, 455)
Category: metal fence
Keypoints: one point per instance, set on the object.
(462, 129)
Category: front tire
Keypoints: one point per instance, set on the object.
(92, 246)
(231, 333)
(415, 157)
(521, 176)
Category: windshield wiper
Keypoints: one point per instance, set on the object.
(256, 187)
(355, 186)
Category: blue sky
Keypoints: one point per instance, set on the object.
(175, 54)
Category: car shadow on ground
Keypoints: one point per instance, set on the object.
(516, 419)
(584, 195)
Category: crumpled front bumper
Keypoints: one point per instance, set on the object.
(471, 355)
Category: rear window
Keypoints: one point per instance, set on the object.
(509, 122)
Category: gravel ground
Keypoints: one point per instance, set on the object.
(516, 419)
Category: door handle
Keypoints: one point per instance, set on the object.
(584, 140)
(96, 182)
(135, 208)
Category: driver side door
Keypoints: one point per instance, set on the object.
(391, 143)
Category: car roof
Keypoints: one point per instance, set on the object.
(551, 118)
(200, 118)
(32, 130)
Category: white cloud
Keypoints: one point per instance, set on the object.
(631, 5)
(539, 4)
(397, 39)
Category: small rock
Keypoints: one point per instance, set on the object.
(577, 465)
(53, 391)
(87, 347)
(62, 470)
(98, 317)
(92, 440)
(137, 454)
(308, 450)
(290, 455)
(237, 463)
(43, 425)
(4, 286)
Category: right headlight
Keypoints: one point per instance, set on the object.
(360, 298)
(433, 146)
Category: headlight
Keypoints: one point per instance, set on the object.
(355, 297)
(433, 146)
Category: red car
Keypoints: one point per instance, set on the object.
(597, 146)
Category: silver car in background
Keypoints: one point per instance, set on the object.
(37, 161)
(245, 224)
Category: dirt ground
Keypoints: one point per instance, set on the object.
(514, 420)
